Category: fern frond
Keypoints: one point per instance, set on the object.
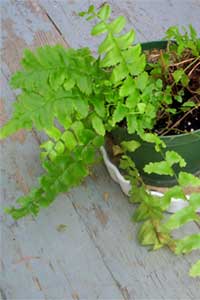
(55, 83)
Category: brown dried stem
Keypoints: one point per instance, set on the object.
(180, 120)
(189, 74)
(182, 62)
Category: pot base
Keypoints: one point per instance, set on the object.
(176, 204)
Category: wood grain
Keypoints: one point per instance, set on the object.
(97, 255)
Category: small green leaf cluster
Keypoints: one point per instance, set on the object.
(184, 41)
(176, 67)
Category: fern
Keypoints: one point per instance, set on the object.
(56, 84)
(65, 167)
(60, 95)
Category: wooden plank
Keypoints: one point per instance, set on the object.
(97, 256)
(139, 273)
(38, 260)
(149, 18)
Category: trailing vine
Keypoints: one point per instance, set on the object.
(76, 99)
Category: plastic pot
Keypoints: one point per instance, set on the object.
(187, 145)
(175, 205)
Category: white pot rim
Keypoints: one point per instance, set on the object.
(176, 204)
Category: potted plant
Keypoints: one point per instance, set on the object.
(139, 102)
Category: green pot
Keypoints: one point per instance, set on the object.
(187, 145)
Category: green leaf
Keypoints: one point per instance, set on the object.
(99, 29)
(74, 174)
(195, 270)
(141, 213)
(119, 72)
(84, 84)
(88, 154)
(138, 65)
(90, 17)
(136, 61)
(82, 107)
(133, 99)
(172, 32)
(186, 179)
(63, 118)
(30, 60)
(87, 136)
(99, 106)
(107, 44)
(181, 217)
(126, 162)
(189, 104)
(56, 79)
(185, 80)
(59, 147)
(104, 12)
(116, 150)
(128, 87)
(142, 80)
(188, 244)
(48, 145)
(117, 25)
(147, 235)
(141, 107)
(179, 98)
(69, 140)
(159, 83)
(171, 110)
(119, 113)
(69, 84)
(194, 200)
(124, 41)
(132, 123)
(193, 32)
(178, 75)
(132, 54)
(78, 129)
(53, 155)
(175, 192)
(98, 125)
(173, 157)
(98, 141)
(111, 59)
(153, 138)
(130, 146)
(54, 133)
(161, 168)
(11, 127)
(91, 9)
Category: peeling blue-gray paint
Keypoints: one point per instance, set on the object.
(25, 23)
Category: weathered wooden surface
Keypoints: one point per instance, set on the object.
(96, 256)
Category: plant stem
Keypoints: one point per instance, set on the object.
(182, 62)
(196, 59)
(189, 74)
